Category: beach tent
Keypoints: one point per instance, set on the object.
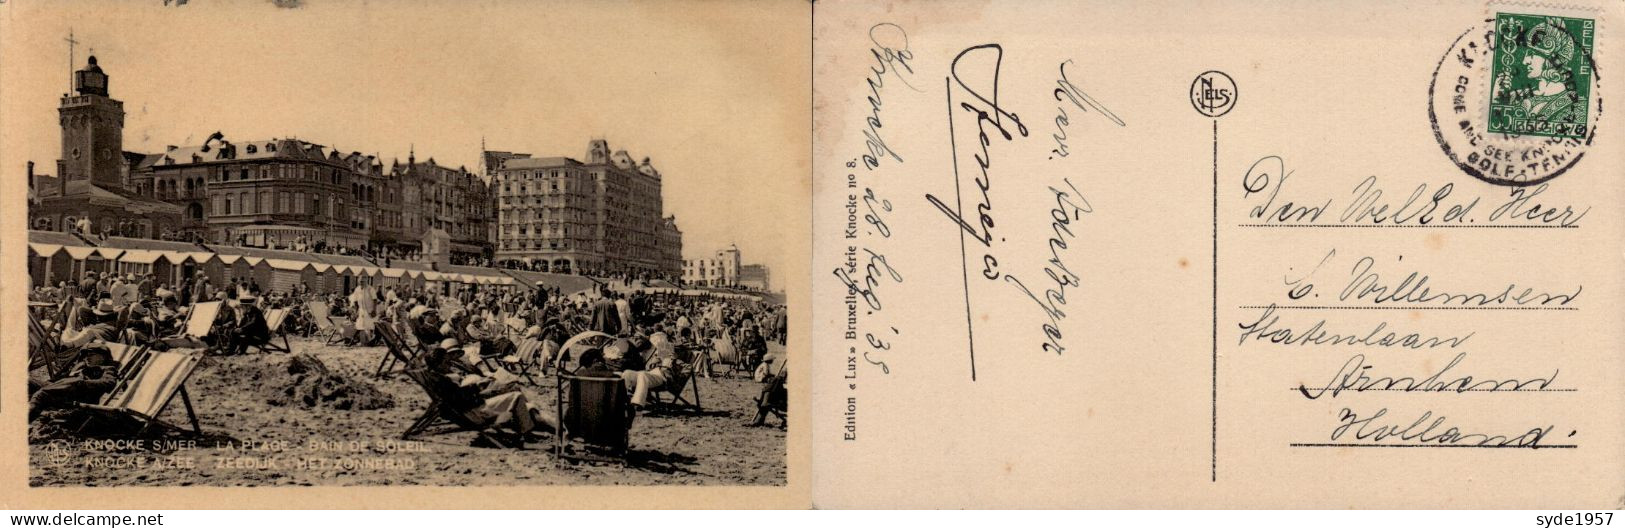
(328, 278)
(228, 268)
(212, 267)
(318, 277)
(256, 271)
(390, 276)
(84, 259)
(366, 275)
(142, 262)
(285, 274)
(49, 264)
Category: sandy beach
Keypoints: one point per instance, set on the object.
(264, 426)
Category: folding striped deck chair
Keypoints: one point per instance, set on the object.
(683, 378)
(516, 326)
(333, 331)
(126, 355)
(273, 321)
(122, 322)
(396, 350)
(724, 351)
(527, 356)
(442, 417)
(199, 324)
(148, 386)
(44, 349)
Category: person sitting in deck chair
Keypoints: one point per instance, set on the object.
(428, 328)
(660, 367)
(489, 334)
(685, 338)
(775, 396)
(96, 374)
(458, 360)
(140, 325)
(479, 400)
(247, 328)
(94, 325)
(753, 347)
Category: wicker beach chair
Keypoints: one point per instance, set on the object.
(595, 411)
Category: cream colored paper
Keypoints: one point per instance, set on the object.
(718, 88)
(1157, 399)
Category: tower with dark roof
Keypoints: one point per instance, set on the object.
(92, 131)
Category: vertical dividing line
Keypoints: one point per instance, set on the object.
(1214, 446)
(959, 209)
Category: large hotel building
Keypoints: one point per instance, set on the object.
(602, 215)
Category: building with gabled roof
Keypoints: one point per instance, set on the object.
(604, 215)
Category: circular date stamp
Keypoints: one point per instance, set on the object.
(1516, 100)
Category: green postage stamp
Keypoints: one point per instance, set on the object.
(1541, 76)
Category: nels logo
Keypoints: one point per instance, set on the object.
(1213, 93)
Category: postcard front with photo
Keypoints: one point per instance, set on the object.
(428, 246)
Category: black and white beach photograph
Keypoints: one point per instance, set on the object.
(314, 243)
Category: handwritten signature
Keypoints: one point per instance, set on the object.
(988, 112)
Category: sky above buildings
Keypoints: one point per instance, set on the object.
(715, 97)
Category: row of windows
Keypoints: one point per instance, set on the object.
(532, 175)
(279, 171)
(242, 203)
(528, 244)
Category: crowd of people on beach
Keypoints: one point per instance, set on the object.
(462, 331)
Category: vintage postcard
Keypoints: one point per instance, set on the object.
(843, 254)
(1218, 254)
(327, 254)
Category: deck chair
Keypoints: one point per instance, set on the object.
(126, 355)
(440, 418)
(148, 386)
(44, 349)
(679, 381)
(729, 354)
(274, 319)
(527, 356)
(516, 326)
(344, 330)
(199, 324)
(409, 337)
(122, 322)
(596, 411)
(322, 318)
(396, 351)
(775, 398)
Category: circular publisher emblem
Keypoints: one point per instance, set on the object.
(1213, 93)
